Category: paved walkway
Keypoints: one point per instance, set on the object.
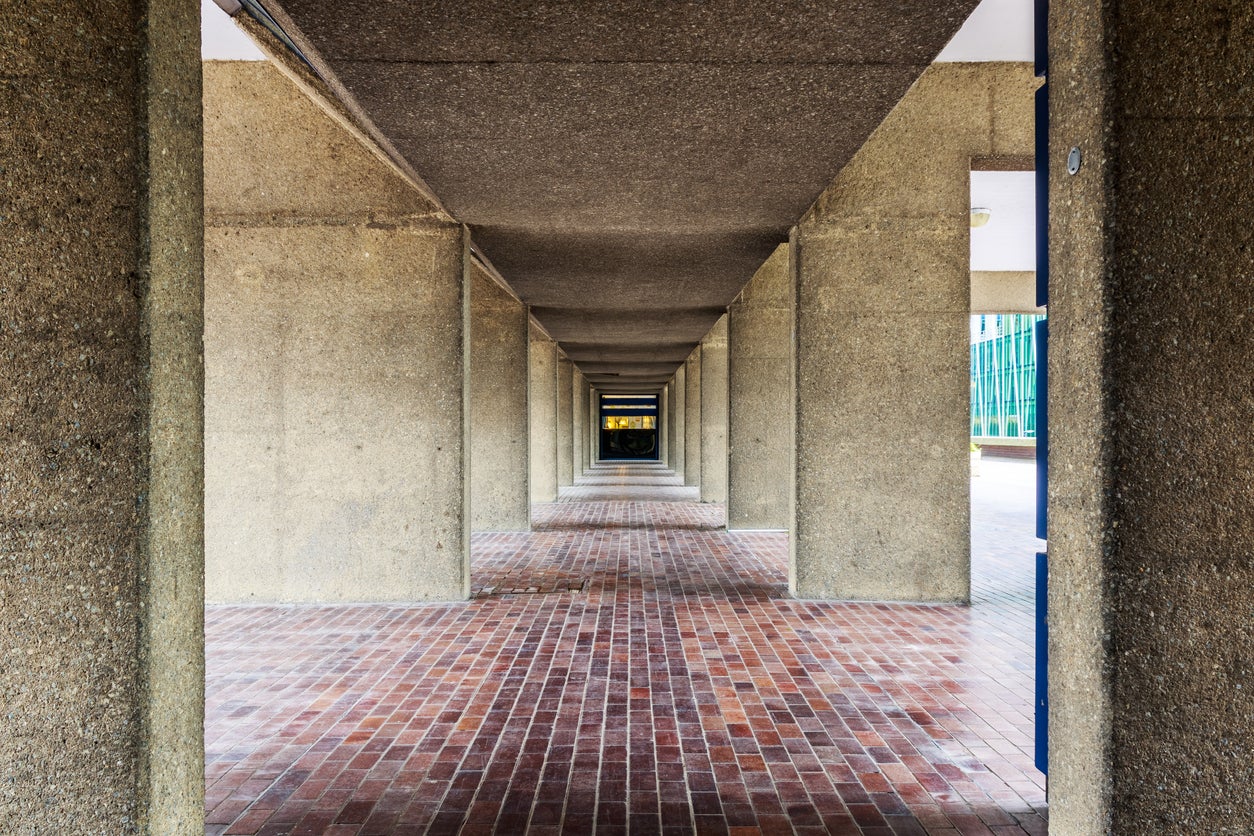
(657, 680)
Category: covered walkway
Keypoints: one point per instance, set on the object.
(629, 665)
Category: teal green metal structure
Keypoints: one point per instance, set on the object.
(1003, 376)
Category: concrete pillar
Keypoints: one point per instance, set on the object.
(761, 399)
(594, 425)
(499, 448)
(1151, 505)
(335, 345)
(692, 419)
(542, 406)
(714, 413)
(101, 550)
(678, 421)
(565, 422)
(883, 306)
(663, 415)
(579, 419)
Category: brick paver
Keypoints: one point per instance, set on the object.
(678, 690)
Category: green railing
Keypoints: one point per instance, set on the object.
(1003, 376)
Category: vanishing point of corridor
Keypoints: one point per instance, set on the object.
(629, 667)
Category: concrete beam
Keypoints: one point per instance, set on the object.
(761, 399)
(714, 414)
(1151, 505)
(101, 591)
(1004, 292)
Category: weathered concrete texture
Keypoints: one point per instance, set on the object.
(663, 422)
(882, 343)
(760, 399)
(100, 499)
(499, 499)
(565, 422)
(714, 414)
(679, 401)
(702, 152)
(692, 418)
(579, 422)
(334, 344)
(1151, 500)
(542, 407)
(1003, 292)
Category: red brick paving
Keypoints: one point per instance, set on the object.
(680, 692)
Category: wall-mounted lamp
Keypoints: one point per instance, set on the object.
(980, 216)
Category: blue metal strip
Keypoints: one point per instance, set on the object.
(1042, 195)
(1042, 663)
(1042, 429)
(1041, 37)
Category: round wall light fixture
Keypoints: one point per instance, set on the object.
(980, 216)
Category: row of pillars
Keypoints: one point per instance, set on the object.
(1151, 505)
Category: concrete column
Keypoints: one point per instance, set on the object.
(335, 346)
(761, 399)
(883, 306)
(565, 422)
(579, 417)
(664, 417)
(101, 550)
(594, 425)
(499, 499)
(1151, 506)
(678, 421)
(542, 404)
(692, 419)
(714, 414)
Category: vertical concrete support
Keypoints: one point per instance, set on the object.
(714, 414)
(499, 498)
(542, 404)
(679, 421)
(692, 419)
(883, 306)
(579, 420)
(663, 424)
(761, 399)
(565, 422)
(335, 343)
(1151, 510)
(594, 425)
(101, 504)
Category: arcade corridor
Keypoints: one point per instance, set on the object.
(651, 675)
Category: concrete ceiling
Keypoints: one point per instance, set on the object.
(626, 166)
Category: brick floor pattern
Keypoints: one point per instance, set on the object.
(681, 691)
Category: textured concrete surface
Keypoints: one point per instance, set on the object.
(499, 498)
(761, 362)
(1003, 291)
(100, 502)
(579, 422)
(679, 458)
(334, 358)
(1151, 499)
(565, 422)
(714, 414)
(680, 160)
(692, 419)
(882, 343)
(542, 359)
